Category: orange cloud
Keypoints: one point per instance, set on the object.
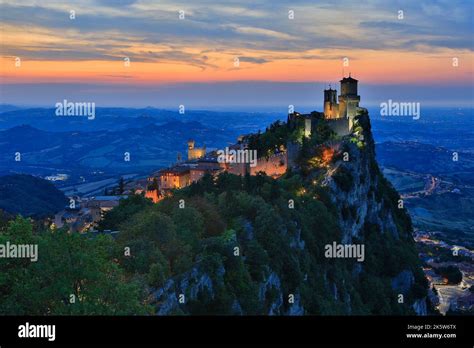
(374, 66)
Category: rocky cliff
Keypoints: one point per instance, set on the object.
(260, 245)
(372, 202)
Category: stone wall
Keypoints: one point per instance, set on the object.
(339, 126)
(274, 166)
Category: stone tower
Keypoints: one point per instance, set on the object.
(331, 108)
(348, 100)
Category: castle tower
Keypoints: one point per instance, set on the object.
(195, 152)
(348, 100)
(331, 108)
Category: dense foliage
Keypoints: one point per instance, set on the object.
(72, 275)
(30, 196)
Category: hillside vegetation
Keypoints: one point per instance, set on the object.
(253, 245)
(30, 196)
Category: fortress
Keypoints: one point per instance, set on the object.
(339, 113)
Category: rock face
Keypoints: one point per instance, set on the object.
(360, 199)
(420, 307)
(177, 292)
(403, 282)
(367, 211)
(272, 283)
(362, 204)
(174, 296)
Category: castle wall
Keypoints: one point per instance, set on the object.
(339, 126)
(352, 105)
(342, 107)
(238, 168)
(153, 195)
(274, 166)
(331, 110)
(348, 88)
(171, 181)
(292, 150)
(195, 175)
(307, 127)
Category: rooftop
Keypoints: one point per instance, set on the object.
(108, 198)
(348, 79)
(179, 169)
(205, 168)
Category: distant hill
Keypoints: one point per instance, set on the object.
(29, 196)
(8, 107)
(75, 145)
(450, 207)
(423, 158)
(115, 119)
(150, 146)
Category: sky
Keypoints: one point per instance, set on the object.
(218, 54)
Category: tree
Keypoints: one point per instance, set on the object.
(189, 225)
(121, 186)
(72, 275)
(125, 210)
(149, 234)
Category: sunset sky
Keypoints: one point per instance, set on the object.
(193, 60)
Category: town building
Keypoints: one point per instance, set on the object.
(86, 213)
(177, 176)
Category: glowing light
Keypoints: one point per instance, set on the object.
(300, 192)
(327, 155)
